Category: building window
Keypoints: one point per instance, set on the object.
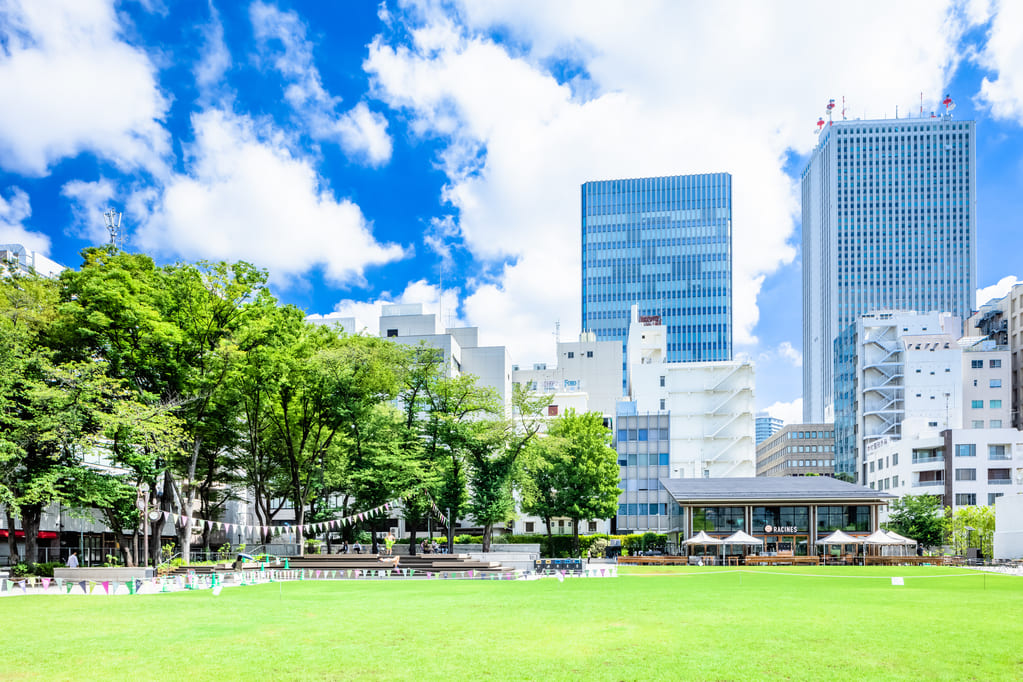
(996, 423)
(995, 383)
(977, 424)
(977, 404)
(994, 364)
(998, 477)
(662, 381)
(589, 353)
(662, 403)
(998, 452)
(593, 526)
(966, 450)
(391, 333)
(995, 404)
(966, 474)
(571, 355)
(991, 497)
(552, 410)
(529, 526)
(976, 364)
(966, 499)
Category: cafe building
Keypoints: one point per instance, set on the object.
(789, 514)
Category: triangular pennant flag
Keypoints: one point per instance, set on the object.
(22, 586)
(429, 574)
(106, 586)
(116, 584)
(84, 586)
(46, 583)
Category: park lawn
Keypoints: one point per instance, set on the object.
(701, 623)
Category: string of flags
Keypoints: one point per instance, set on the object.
(214, 581)
(183, 520)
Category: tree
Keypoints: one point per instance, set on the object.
(575, 473)
(972, 526)
(917, 517)
(493, 448)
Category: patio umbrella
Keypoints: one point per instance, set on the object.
(900, 539)
(839, 538)
(703, 539)
(879, 537)
(742, 538)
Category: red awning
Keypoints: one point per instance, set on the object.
(42, 535)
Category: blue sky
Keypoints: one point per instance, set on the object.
(416, 152)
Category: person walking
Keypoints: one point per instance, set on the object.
(72, 561)
(389, 543)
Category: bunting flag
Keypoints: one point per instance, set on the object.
(106, 586)
(46, 583)
(22, 586)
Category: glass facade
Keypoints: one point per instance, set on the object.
(642, 442)
(664, 244)
(888, 221)
(845, 401)
(719, 519)
(845, 518)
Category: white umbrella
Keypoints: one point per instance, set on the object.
(839, 537)
(742, 538)
(900, 539)
(702, 538)
(879, 537)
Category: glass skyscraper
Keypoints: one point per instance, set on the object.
(888, 222)
(664, 244)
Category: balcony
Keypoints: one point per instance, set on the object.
(929, 484)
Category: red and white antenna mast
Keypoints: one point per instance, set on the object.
(843, 107)
(949, 104)
(829, 109)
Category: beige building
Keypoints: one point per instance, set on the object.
(798, 450)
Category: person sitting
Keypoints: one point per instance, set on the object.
(424, 548)
(358, 547)
(344, 547)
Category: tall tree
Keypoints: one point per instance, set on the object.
(582, 467)
(917, 517)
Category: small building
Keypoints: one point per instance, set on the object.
(798, 450)
(788, 514)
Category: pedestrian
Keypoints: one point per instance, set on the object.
(389, 543)
(72, 561)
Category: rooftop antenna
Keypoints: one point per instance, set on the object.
(557, 331)
(830, 108)
(921, 104)
(113, 223)
(949, 104)
(843, 107)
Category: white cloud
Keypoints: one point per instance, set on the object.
(214, 59)
(1003, 54)
(658, 92)
(15, 210)
(245, 196)
(786, 351)
(89, 201)
(360, 132)
(419, 291)
(997, 290)
(790, 413)
(69, 83)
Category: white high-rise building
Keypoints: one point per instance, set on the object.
(682, 420)
(888, 222)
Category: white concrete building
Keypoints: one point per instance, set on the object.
(26, 261)
(1001, 320)
(1008, 540)
(682, 420)
(878, 374)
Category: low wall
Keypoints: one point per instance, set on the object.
(118, 573)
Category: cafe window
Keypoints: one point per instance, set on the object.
(719, 519)
(846, 517)
(799, 517)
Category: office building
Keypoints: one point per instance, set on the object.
(663, 244)
(682, 420)
(798, 450)
(1001, 321)
(888, 222)
(767, 426)
(25, 261)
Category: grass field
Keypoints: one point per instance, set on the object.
(648, 624)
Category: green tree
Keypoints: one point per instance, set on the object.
(972, 526)
(575, 474)
(917, 517)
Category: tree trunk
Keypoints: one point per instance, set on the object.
(412, 541)
(488, 532)
(12, 542)
(30, 516)
(575, 537)
(550, 536)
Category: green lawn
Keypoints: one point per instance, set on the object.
(696, 623)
